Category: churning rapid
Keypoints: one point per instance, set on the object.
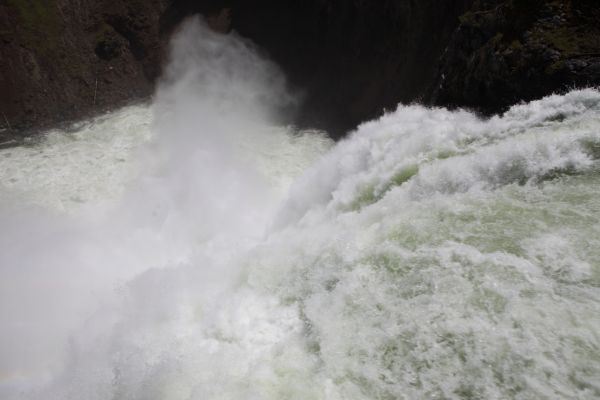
(193, 249)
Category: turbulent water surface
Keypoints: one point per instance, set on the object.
(193, 249)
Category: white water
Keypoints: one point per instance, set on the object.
(160, 252)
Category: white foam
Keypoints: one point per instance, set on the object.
(431, 254)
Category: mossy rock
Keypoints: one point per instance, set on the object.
(40, 23)
(108, 43)
(515, 45)
(556, 68)
(564, 40)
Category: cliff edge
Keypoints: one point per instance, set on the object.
(66, 59)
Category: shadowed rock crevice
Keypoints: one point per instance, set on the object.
(350, 59)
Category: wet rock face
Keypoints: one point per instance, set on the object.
(66, 59)
(509, 51)
(350, 59)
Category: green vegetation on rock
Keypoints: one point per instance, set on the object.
(40, 23)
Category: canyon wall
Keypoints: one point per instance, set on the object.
(66, 59)
(504, 52)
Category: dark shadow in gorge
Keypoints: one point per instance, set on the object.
(351, 59)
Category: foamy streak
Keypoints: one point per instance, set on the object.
(429, 255)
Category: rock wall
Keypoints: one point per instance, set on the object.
(64, 59)
(67, 59)
(504, 52)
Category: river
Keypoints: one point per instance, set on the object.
(196, 248)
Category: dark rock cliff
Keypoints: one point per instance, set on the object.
(66, 59)
(504, 52)
(63, 59)
(352, 58)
